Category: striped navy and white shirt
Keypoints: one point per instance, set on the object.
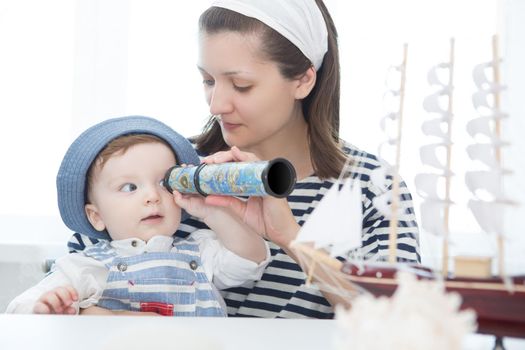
(281, 292)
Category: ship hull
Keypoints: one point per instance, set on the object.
(500, 311)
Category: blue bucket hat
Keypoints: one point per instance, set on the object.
(71, 178)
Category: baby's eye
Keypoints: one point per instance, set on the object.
(208, 82)
(128, 187)
(161, 183)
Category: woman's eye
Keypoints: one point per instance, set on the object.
(242, 88)
(128, 188)
(208, 82)
(161, 183)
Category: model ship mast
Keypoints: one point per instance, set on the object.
(388, 202)
(488, 212)
(497, 130)
(316, 248)
(427, 183)
(446, 213)
(392, 233)
(344, 198)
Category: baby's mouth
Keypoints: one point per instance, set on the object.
(152, 217)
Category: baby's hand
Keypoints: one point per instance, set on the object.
(193, 204)
(57, 301)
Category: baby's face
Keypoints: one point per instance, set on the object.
(128, 198)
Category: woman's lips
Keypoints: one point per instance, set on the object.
(230, 126)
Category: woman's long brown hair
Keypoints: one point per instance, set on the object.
(320, 107)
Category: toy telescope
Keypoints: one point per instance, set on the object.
(263, 178)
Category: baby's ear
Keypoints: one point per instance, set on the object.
(94, 217)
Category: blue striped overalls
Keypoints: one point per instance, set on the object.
(170, 283)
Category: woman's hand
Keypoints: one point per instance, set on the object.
(271, 217)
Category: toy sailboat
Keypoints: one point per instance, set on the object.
(499, 301)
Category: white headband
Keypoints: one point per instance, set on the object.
(299, 21)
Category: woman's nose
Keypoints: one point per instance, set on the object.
(220, 101)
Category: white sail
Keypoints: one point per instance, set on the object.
(480, 77)
(486, 182)
(429, 156)
(433, 185)
(383, 203)
(384, 120)
(434, 76)
(484, 126)
(433, 216)
(378, 176)
(382, 177)
(486, 152)
(438, 101)
(321, 227)
(434, 127)
(385, 176)
(427, 185)
(489, 215)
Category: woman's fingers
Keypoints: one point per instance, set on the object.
(233, 155)
(241, 156)
(234, 205)
(224, 201)
(249, 211)
(219, 157)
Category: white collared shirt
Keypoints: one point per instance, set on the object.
(88, 276)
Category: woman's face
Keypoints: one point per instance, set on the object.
(256, 104)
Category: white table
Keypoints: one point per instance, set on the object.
(19, 332)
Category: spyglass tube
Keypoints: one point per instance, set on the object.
(275, 178)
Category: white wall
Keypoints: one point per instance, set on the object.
(513, 29)
(22, 266)
(66, 65)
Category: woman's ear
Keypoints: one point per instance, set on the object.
(94, 217)
(305, 83)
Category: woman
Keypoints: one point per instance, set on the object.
(271, 78)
